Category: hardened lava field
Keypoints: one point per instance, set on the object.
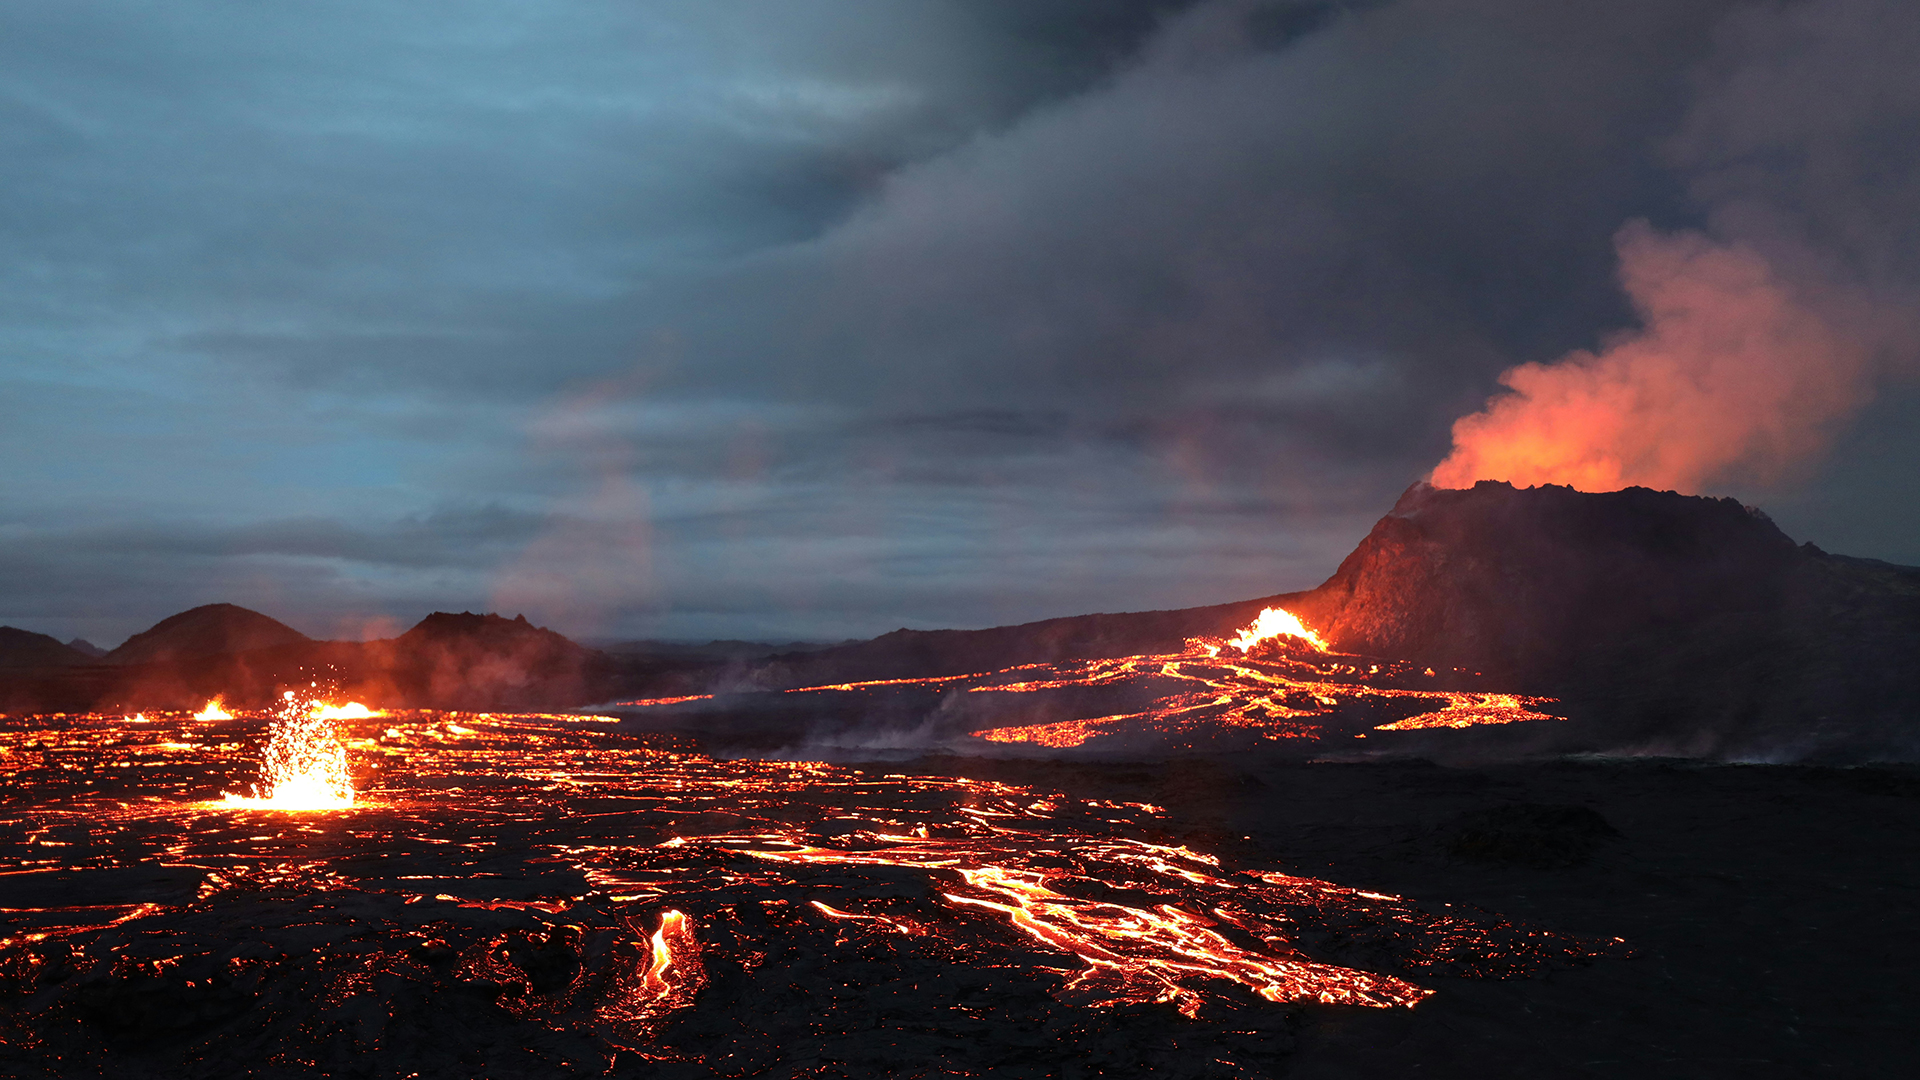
(519, 895)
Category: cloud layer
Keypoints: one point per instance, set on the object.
(817, 319)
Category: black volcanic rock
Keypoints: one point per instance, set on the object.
(26, 650)
(1665, 623)
(489, 631)
(210, 630)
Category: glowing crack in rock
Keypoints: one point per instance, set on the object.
(1274, 680)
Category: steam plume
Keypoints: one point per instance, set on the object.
(1730, 373)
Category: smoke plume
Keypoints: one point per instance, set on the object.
(1732, 374)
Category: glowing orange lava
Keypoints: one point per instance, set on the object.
(593, 879)
(215, 710)
(306, 763)
(1275, 623)
(1274, 680)
(352, 710)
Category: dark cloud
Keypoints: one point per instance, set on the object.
(814, 319)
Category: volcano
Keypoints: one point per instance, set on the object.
(1660, 622)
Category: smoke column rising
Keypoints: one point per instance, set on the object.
(1730, 373)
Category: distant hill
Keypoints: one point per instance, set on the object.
(1526, 583)
(1665, 623)
(88, 647)
(211, 630)
(466, 660)
(26, 650)
(913, 654)
(1686, 625)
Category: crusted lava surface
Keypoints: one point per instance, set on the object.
(526, 895)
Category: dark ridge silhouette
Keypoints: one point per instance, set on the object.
(486, 661)
(210, 630)
(913, 654)
(1526, 583)
(24, 649)
(88, 647)
(455, 661)
(1677, 624)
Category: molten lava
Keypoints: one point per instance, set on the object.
(215, 710)
(305, 767)
(1275, 680)
(1275, 623)
(570, 877)
(352, 710)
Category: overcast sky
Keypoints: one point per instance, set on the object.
(809, 319)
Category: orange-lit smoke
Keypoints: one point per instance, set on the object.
(1729, 374)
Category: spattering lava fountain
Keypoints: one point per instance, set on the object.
(306, 763)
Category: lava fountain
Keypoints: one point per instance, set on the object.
(215, 710)
(1274, 623)
(306, 764)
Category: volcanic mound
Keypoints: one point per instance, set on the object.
(209, 630)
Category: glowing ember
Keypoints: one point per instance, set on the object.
(215, 710)
(1272, 624)
(306, 764)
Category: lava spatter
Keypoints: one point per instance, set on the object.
(305, 766)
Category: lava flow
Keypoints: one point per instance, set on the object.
(563, 891)
(1274, 681)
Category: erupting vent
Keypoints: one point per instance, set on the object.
(306, 765)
